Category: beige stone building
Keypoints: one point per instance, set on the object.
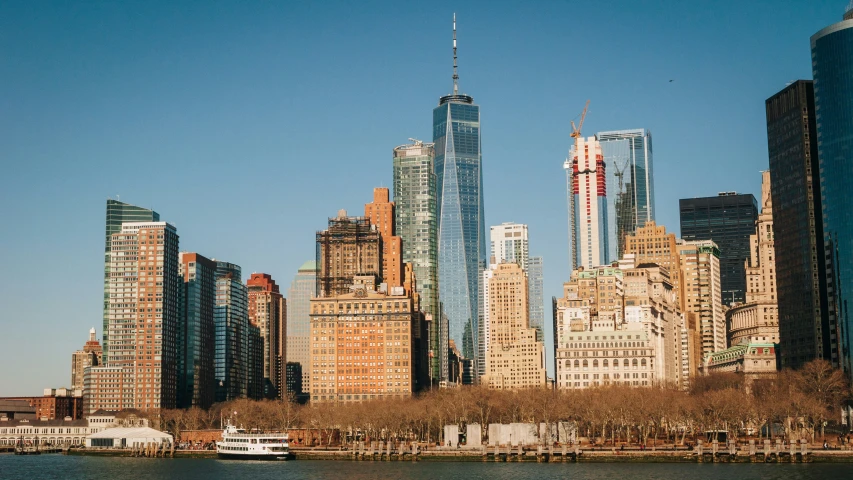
(652, 244)
(91, 355)
(350, 246)
(758, 318)
(514, 358)
(362, 344)
(701, 298)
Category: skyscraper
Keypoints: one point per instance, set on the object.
(630, 185)
(728, 219)
(585, 179)
(651, 244)
(509, 243)
(832, 68)
(302, 290)
(350, 246)
(701, 298)
(268, 311)
(143, 315)
(118, 213)
(804, 332)
(417, 225)
(380, 212)
(196, 382)
(232, 334)
(461, 229)
(536, 282)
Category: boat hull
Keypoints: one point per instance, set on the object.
(254, 456)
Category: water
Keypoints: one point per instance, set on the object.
(74, 467)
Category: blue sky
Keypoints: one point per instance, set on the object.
(247, 124)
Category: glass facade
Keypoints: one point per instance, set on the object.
(536, 296)
(461, 229)
(804, 332)
(118, 213)
(416, 223)
(299, 297)
(832, 68)
(196, 332)
(728, 219)
(231, 318)
(630, 185)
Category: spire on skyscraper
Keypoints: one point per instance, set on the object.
(455, 74)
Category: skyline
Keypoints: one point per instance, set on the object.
(89, 135)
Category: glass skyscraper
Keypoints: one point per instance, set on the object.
(630, 185)
(832, 68)
(196, 330)
(536, 296)
(302, 290)
(462, 252)
(231, 318)
(118, 213)
(417, 224)
(728, 219)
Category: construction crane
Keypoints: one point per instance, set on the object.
(576, 131)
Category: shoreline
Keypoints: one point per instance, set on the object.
(504, 455)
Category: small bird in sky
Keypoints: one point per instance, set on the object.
(670, 81)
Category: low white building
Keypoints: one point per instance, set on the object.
(126, 437)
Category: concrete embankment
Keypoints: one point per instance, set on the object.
(512, 455)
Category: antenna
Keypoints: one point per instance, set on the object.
(455, 75)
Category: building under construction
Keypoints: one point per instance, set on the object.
(350, 246)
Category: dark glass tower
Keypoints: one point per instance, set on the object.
(832, 68)
(196, 328)
(232, 342)
(462, 253)
(728, 219)
(804, 332)
(118, 213)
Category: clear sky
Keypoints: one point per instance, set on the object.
(247, 124)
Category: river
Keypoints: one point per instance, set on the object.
(62, 467)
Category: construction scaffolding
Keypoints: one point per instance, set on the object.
(350, 246)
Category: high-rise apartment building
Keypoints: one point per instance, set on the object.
(758, 318)
(196, 329)
(350, 246)
(362, 344)
(728, 219)
(302, 290)
(509, 243)
(268, 311)
(232, 344)
(91, 355)
(118, 213)
(143, 313)
(630, 185)
(462, 253)
(380, 213)
(586, 181)
(417, 225)
(832, 69)
(701, 298)
(536, 287)
(514, 358)
(804, 332)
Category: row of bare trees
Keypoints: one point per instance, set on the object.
(796, 404)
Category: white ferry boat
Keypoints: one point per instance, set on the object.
(236, 444)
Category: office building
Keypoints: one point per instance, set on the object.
(462, 253)
(257, 385)
(652, 244)
(728, 219)
(196, 383)
(56, 403)
(302, 290)
(514, 358)
(701, 298)
(362, 344)
(585, 179)
(630, 185)
(417, 225)
(509, 243)
(350, 246)
(832, 70)
(536, 282)
(117, 214)
(758, 318)
(268, 311)
(232, 345)
(804, 332)
(380, 213)
(91, 355)
(293, 388)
